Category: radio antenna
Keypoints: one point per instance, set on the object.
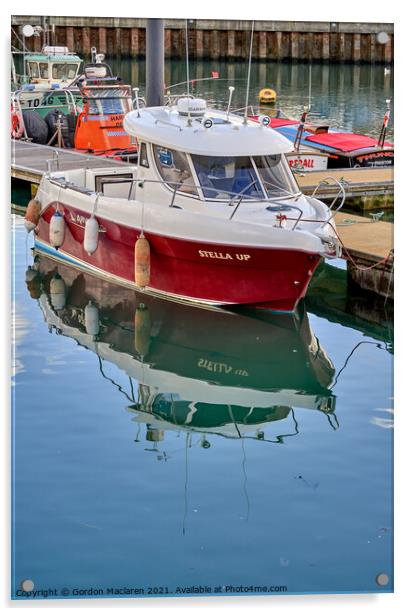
(249, 73)
(187, 65)
(188, 77)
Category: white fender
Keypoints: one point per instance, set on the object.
(91, 235)
(92, 319)
(56, 229)
(57, 292)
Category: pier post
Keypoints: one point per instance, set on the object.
(86, 40)
(199, 44)
(167, 43)
(278, 46)
(294, 46)
(231, 44)
(326, 46)
(134, 41)
(388, 51)
(70, 38)
(214, 45)
(155, 62)
(102, 40)
(262, 45)
(356, 47)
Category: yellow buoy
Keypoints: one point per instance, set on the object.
(142, 262)
(267, 95)
(32, 215)
(142, 330)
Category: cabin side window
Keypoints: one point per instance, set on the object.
(44, 70)
(64, 71)
(174, 169)
(277, 177)
(142, 156)
(33, 69)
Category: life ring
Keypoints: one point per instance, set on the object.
(17, 124)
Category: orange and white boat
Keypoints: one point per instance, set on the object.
(95, 125)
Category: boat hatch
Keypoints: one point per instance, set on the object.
(115, 186)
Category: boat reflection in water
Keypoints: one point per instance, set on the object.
(209, 371)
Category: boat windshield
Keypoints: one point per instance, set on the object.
(222, 177)
(64, 71)
(108, 101)
(276, 175)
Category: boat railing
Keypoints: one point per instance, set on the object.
(172, 99)
(63, 183)
(232, 203)
(242, 109)
(176, 185)
(54, 160)
(340, 194)
(138, 101)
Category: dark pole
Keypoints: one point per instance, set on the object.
(155, 62)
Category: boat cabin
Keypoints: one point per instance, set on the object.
(54, 65)
(202, 161)
(209, 155)
(99, 126)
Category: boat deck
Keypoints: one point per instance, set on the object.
(30, 160)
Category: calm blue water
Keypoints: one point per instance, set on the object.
(346, 96)
(179, 448)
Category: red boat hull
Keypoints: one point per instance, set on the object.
(186, 269)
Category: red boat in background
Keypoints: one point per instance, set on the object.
(339, 149)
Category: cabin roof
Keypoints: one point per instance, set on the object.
(166, 127)
(42, 57)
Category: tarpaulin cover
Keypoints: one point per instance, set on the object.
(276, 122)
(345, 142)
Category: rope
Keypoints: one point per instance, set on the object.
(364, 268)
(346, 251)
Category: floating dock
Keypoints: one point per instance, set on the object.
(30, 160)
(369, 251)
(368, 188)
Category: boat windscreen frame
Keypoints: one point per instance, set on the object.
(87, 93)
(262, 184)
